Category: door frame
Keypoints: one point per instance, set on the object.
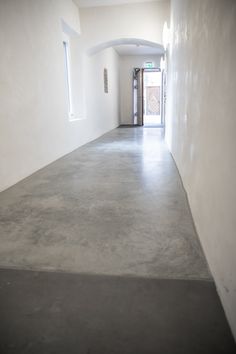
(138, 90)
(138, 96)
(156, 69)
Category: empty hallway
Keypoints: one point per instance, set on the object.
(117, 176)
(99, 255)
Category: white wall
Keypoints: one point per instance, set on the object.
(127, 64)
(34, 125)
(141, 20)
(201, 128)
(102, 108)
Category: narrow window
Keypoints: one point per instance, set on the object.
(68, 76)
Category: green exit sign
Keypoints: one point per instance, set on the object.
(149, 65)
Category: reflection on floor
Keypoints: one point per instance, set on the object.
(152, 119)
(106, 257)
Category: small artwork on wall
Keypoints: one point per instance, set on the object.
(105, 77)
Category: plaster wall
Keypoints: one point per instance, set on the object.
(141, 20)
(127, 64)
(34, 124)
(102, 108)
(200, 129)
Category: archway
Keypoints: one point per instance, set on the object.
(127, 87)
(126, 41)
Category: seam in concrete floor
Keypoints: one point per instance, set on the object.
(61, 271)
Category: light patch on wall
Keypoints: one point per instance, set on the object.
(105, 78)
(66, 46)
(74, 90)
(166, 35)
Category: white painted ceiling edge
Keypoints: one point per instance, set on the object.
(95, 3)
(127, 41)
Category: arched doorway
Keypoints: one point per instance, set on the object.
(139, 97)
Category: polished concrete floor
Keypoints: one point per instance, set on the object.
(59, 313)
(115, 206)
(99, 255)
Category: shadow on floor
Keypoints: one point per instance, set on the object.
(43, 312)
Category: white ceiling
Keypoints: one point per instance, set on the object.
(131, 49)
(94, 3)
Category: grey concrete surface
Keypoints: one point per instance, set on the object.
(58, 313)
(114, 206)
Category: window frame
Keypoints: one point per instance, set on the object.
(67, 70)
